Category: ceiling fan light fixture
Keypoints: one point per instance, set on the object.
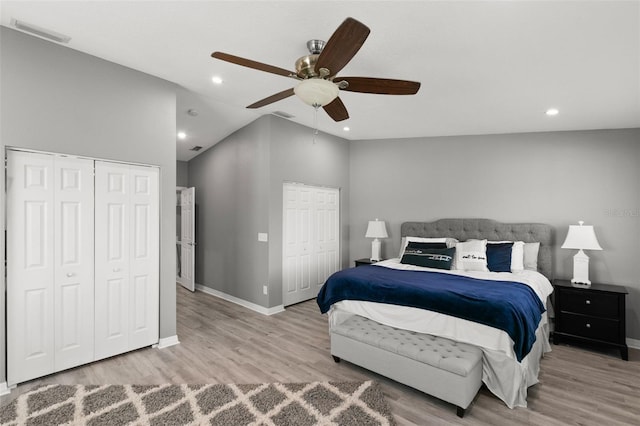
(315, 46)
(316, 92)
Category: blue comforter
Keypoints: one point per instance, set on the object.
(507, 305)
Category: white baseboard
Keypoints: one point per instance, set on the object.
(249, 305)
(4, 389)
(165, 342)
(633, 343)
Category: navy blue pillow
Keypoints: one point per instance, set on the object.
(423, 245)
(440, 258)
(499, 257)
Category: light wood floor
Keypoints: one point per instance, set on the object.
(224, 343)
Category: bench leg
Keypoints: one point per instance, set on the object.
(335, 358)
(460, 412)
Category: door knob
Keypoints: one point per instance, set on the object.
(70, 274)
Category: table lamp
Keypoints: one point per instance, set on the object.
(375, 230)
(581, 237)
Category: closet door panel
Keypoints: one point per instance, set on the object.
(332, 232)
(310, 240)
(326, 234)
(73, 276)
(112, 287)
(30, 266)
(144, 261)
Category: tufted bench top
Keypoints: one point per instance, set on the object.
(441, 353)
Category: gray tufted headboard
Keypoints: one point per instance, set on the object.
(464, 229)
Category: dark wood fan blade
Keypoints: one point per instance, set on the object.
(336, 110)
(342, 46)
(271, 99)
(380, 86)
(252, 64)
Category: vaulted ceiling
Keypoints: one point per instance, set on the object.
(485, 66)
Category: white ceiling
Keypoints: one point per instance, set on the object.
(485, 66)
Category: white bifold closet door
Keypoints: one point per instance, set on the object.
(50, 287)
(127, 258)
(311, 239)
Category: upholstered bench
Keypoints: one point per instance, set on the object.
(440, 367)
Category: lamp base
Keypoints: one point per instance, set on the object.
(375, 250)
(580, 285)
(580, 270)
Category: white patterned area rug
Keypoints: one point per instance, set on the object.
(299, 404)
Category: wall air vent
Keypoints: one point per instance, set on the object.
(283, 114)
(40, 32)
(196, 148)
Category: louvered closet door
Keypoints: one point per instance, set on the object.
(49, 264)
(127, 258)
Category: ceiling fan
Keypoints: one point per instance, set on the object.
(319, 86)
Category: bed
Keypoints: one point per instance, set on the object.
(511, 354)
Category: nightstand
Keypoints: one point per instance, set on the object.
(360, 262)
(594, 315)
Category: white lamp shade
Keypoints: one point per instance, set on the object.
(316, 92)
(376, 229)
(581, 237)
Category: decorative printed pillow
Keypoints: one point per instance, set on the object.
(439, 258)
(471, 255)
(450, 242)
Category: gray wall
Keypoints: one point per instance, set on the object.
(296, 158)
(239, 193)
(182, 173)
(556, 178)
(60, 100)
(231, 181)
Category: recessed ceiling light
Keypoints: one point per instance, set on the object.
(552, 111)
(346, 128)
(216, 80)
(182, 135)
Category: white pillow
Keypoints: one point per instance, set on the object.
(517, 254)
(451, 242)
(531, 256)
(471, 255)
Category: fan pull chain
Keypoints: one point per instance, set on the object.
(315, 122)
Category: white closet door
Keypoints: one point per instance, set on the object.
(144, 257)
(73, 276)
(127, 258)
(310, 240)
(112, 190)
(326, 231)
(30, 266)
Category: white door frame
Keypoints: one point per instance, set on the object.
(187, 240)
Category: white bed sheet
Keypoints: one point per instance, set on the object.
(507, 378)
